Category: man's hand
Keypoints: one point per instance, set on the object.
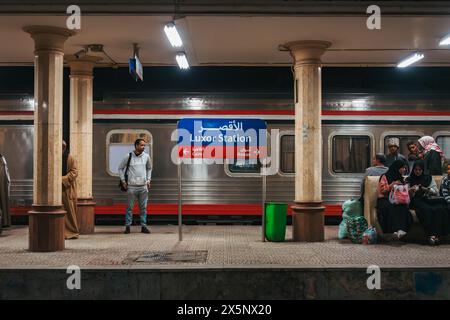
(148, 184)
(125, 185)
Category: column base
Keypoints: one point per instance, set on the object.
(86, 215)
(308, 222)
(46, 228)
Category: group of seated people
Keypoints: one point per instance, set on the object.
(432, 206)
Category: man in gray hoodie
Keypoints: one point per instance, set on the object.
(136, 182)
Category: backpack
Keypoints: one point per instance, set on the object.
(355, 228)
(399, 194)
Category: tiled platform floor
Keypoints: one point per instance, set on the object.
(227, 246)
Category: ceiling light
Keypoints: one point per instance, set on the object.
(182, 60)
(445, 41)
(410, 60)
(173, 35)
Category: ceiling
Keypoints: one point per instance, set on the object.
(239, 40)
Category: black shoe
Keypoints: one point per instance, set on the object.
(127, 230)
(144, 229)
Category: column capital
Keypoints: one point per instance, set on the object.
(81, 66)
(307, 51)
(49, 38)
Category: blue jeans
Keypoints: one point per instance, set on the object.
(141, 194)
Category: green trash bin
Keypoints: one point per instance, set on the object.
(276, 214)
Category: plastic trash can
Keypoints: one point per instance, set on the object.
(276, 214)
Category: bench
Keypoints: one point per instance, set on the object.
(416, 232)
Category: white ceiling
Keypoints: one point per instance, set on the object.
(245, 40)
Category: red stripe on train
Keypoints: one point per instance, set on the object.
(189, 209)
(16, 113)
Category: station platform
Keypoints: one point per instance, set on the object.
(219, 262)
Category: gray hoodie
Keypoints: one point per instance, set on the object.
(139, 171)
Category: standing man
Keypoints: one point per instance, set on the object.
(414, 154)
(69, 194)
(394, 146)
(139, 175)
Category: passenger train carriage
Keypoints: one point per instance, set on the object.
(353, 130)
(361, 109)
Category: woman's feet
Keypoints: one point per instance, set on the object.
(433, 240)
(398, 235)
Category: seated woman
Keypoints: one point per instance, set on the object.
(433, 216)
(393, 218)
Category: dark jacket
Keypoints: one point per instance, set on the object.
(433, 163)
(390, 158)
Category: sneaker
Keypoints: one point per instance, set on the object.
(399, 234)
(127, 230)
(433, 241)
(144, 229)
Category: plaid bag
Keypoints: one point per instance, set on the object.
(355, 228)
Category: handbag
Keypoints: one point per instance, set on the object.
(370, 235)
(399, 194)
(121, 187)
(435, 200)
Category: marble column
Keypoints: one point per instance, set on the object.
(308, 212)
(81, 80)
(46, 219)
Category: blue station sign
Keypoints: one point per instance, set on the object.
(222, 138)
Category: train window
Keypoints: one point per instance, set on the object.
(245, 166)
(351, 154)
(287, 153)
(121, 142)
(444, 143)
(404, 139)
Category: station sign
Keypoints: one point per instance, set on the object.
(201, 138)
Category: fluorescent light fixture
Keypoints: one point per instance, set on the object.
(445, 41)
(182, 60)
(410, 60)
(359, 103)
(195, 103)
(173, 35)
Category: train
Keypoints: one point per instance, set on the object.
(361, 109)
(354, 128)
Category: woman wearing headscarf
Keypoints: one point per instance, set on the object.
(433, 156)
(393, 218)
(433, 216)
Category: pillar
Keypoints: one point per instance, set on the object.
(81, 80)
(308, 212)
(46, 219)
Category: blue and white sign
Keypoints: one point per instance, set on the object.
(222, 138)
